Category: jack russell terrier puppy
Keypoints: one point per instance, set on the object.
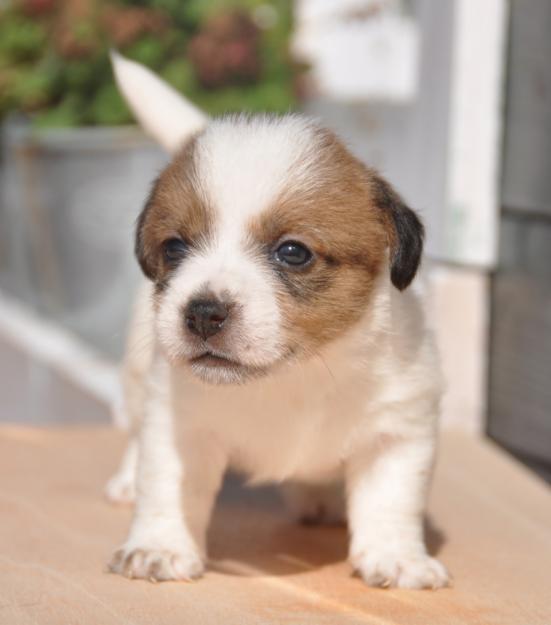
(276, 336)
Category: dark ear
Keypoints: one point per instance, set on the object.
(141, 248)
(405, 234)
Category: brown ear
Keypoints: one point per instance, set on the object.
(405, 233)
(142, 250)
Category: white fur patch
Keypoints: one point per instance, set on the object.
(243, 164)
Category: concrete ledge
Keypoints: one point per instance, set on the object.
(49, 375)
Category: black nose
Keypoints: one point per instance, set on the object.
(205, 317)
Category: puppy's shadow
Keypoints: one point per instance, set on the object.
(252, 534)
(435, 538)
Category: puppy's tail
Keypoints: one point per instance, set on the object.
(162, 112)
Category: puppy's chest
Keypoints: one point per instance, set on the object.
(296, 433)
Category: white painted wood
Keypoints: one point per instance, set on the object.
(360, 49)
(472, 202)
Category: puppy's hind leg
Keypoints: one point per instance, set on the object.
(121, 488)
(319, 504)
(135, 370)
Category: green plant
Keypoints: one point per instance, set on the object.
(226, 55)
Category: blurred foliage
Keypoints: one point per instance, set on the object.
(225, 55)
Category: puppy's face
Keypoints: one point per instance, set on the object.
(264, 238)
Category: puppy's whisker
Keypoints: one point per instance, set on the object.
(139, 348)
(314, 353)
(326, 366)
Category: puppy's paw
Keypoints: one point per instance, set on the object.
(157, 565)
(387, 569)
(121, 488)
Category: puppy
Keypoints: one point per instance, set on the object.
(278, 338)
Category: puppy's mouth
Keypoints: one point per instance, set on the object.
(210, 359)
(217, 368)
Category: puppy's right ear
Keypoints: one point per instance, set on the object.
(142, 246)
(162, 112)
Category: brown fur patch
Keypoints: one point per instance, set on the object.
(175, 209)
(343, 221)
(346, 214)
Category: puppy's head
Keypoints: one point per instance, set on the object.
(264, 238)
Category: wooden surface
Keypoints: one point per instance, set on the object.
(490, 524)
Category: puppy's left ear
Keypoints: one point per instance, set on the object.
(164, 113)
(405, 234)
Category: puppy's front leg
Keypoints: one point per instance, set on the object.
(160, 545)
(387, 488)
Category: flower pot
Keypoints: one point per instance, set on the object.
(68, 202)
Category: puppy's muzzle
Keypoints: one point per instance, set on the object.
(205, 317)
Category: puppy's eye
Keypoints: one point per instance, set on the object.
(293, 254)
(174, 250)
